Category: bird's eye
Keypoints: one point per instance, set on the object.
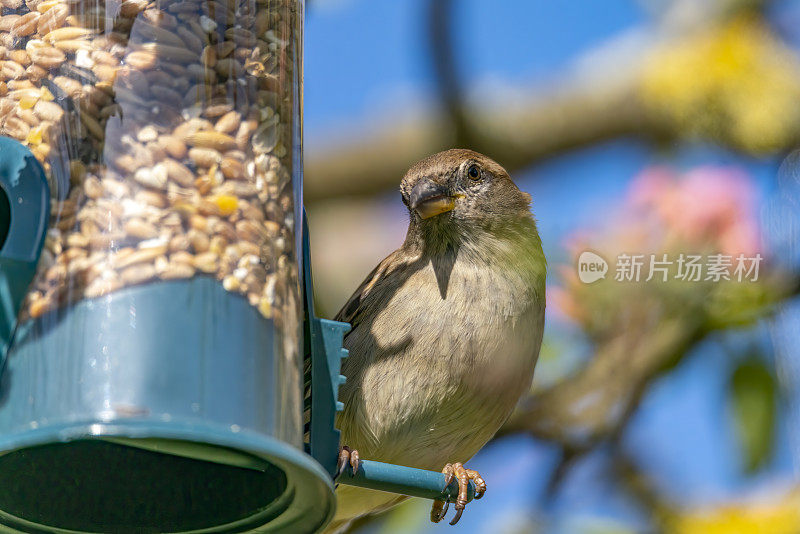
(474, 172)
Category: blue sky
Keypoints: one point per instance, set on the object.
(365, 57)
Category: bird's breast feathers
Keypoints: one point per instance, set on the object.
(452, 345)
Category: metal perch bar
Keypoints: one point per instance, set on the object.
(404, 480)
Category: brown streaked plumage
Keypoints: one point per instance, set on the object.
(446, 329)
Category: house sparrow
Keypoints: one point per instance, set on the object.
(445, 331)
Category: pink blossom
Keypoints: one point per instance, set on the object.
(706, 206)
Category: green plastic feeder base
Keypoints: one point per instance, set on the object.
(84, 484)
(153, 410)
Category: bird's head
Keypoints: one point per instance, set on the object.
(461, 185)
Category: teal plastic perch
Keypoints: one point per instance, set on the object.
(404, 480)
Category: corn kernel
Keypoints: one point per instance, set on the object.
(34, 137)
(265, 307)
(47, 95)
(227, 204)
(44, 6)
(27, 101)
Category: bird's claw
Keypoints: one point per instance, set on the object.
(463, 476)
(439, 510)
(347, 456)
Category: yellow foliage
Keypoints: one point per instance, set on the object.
(778, 515)
(737, 83)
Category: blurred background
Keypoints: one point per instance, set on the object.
(639, 127)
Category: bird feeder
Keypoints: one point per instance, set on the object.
(158, 342)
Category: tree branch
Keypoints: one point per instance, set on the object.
(643, 490)
(595, 403)
(601, 102)
(445, 70)
(570, 116)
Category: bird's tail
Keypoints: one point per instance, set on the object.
(337, 526)
(348, 516)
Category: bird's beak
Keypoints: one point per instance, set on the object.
(429, 199)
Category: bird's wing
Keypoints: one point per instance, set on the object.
(352, 310)
(351, 313)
